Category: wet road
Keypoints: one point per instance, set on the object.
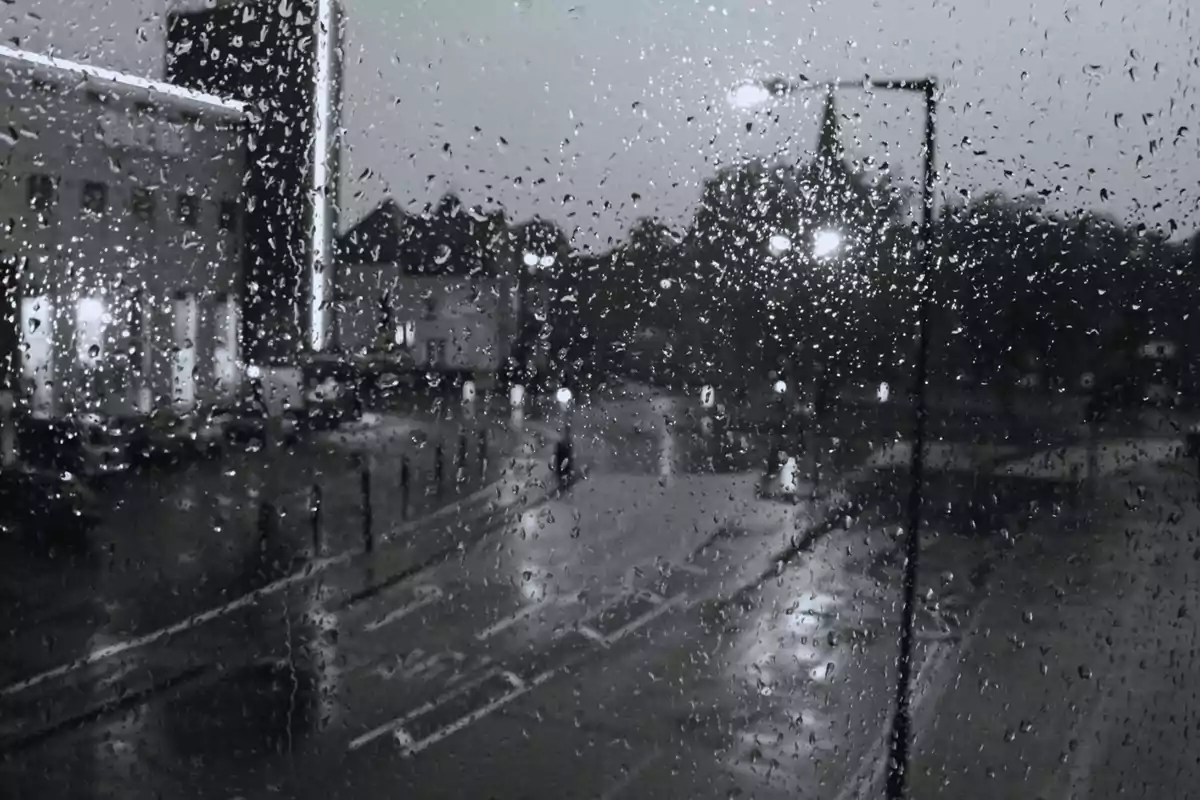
(637, 637)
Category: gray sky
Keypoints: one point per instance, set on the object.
(598, 100)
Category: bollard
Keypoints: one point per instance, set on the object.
(8, 430)
(314, 518)
(462, 452)
(267, 568)
(368, 534)
(404, 487)
(564, 468)
(483, 452)
(439, 469)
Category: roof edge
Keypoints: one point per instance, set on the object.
(51, 67)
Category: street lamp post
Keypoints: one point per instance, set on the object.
(757, 94)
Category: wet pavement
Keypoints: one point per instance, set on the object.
(662, 631)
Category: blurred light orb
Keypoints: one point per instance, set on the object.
(749, 96)
(779, 244)
(531, 259)
(563, 396)
(826, 243)
(468, 391)
(253, 372)
(516, 396)
(707, 397)
(546, 261)
(780, 387)
(884, 392)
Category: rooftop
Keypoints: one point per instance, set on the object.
(16, 64)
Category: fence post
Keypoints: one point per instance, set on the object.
(405, 478)
(483, 452)
(368, 534)
(439, 469)
(314, 512)
(8, 429)
(267, 550)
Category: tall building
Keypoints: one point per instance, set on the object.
(284, 61)
(120, 259)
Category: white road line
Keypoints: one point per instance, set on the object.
(691, 568)
(871, 769)
(428, 596)
(618, 787)
(591, 633)
(398, 723)
(481, 712)
(314, 568)
(646, 619)
(1092, 736)
(505, 623)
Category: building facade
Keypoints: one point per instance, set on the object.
(122, 260)
(283, 60)
(439, 286)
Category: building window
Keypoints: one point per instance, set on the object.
(229, 215)
(41, 192)
(187, 207)
(95, 198)
(143, 204)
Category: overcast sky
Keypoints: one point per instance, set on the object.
(559, 107)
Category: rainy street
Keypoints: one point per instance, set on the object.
(660, 630)
(523, 399)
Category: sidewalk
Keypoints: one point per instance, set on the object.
(177, 543)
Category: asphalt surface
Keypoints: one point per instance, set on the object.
(660, 631)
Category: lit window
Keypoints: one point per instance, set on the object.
(90, 321)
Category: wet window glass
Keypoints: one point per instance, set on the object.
(638, 398)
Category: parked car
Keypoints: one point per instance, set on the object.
(46, 507)
(161, 437)
(85, 445)
(243, 422)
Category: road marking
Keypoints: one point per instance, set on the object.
(618, 787)
(645, 619)
(313, 569)
(591, 633)
(480, 713)
(428, 595)
(1092, 736)
(397, 724)
(873, 767)
(505, 623)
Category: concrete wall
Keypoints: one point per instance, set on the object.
(133, 270)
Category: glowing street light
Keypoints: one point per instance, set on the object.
(826, 243)
(779, 244)
(751, 96)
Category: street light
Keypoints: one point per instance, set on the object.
(756, 94)
(826, 243)
(779, 244)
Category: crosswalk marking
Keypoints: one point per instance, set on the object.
(426, 595)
